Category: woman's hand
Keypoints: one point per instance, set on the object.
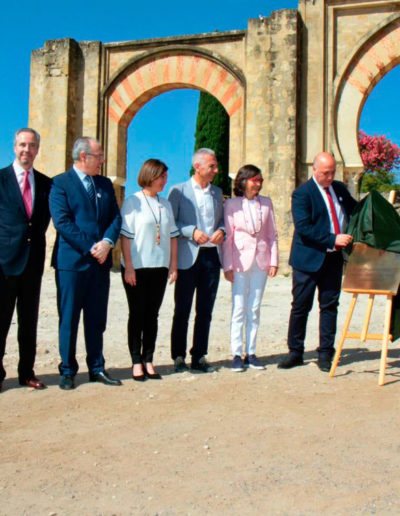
(272, 272)
(172, 274)
(130, 276)
(229, 275)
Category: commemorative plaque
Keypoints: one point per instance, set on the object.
(372, 269)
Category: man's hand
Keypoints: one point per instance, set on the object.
(217, 237)
(100, 251)
(200, 237)
(343, 240)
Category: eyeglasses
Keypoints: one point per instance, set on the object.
(97, 156)
(256, 179)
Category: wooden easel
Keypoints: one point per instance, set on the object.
(364, 335)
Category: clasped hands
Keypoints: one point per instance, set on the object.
(202, 238)
(100, 251)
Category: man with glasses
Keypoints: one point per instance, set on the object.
(86, 215)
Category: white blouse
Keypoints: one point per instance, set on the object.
(140, 216)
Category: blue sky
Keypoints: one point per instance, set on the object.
(164, 128)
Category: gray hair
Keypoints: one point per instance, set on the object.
(27, 130)
(82, 144)
(196, 158)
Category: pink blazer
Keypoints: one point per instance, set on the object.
(245, 241)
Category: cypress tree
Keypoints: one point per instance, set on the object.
(212, 131)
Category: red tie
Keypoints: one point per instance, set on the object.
(335, 221)
(27, 194)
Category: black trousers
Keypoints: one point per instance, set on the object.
(202, 278)
(24, 291)
(144, 301)
(327, 280)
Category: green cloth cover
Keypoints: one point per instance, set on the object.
(375, 222)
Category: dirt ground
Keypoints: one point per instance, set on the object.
(267, 442)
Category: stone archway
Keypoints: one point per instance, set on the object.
(144, 78)
(377, 54)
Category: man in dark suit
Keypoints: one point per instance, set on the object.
(321, 208)
(198, 212)
(24, 218)
(86, 215)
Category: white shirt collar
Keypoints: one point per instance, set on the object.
(21, 170)
(196, 186)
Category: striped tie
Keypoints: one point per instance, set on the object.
(90, 190)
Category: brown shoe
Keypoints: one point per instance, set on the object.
(33, 382)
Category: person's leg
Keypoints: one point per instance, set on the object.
(70, 290)
(257, 281)
(134, 296)
(155, 285)
(95, 306)
(28, 312)
(8, 296)
(303, 289)
(240, 287)
(206, 292)
(184, 291)
(329, 283)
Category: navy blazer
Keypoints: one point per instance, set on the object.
(21, 237)
(79, 225)
(312, 232)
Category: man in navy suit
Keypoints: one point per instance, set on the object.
(86, 215)
(321, 208)
(24, 218)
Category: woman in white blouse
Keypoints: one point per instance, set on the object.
(149, 258)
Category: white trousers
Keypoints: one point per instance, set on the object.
(247, 291)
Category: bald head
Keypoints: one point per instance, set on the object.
(324, 168)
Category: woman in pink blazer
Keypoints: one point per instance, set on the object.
(249, 256)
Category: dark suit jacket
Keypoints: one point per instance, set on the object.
(20, 237)
(79, 225)
(312, 236)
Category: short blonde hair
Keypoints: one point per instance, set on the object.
(151, 170)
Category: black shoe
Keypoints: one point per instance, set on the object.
(202, 365)
(180, 365)
(324, 364)
(290, 361)
(67, 382)
(151, 376)
(103, 377)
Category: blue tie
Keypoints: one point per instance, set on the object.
(90, 190)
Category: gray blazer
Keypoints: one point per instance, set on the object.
(187, 219)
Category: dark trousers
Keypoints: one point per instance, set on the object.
(328, 281)
(24, 291)
(202, 278)
(144, 301)
(85, 291)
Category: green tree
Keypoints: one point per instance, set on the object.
(212, 131)
(381, 159)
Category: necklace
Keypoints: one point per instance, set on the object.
(158, 222)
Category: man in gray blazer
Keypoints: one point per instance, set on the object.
(198, 212)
